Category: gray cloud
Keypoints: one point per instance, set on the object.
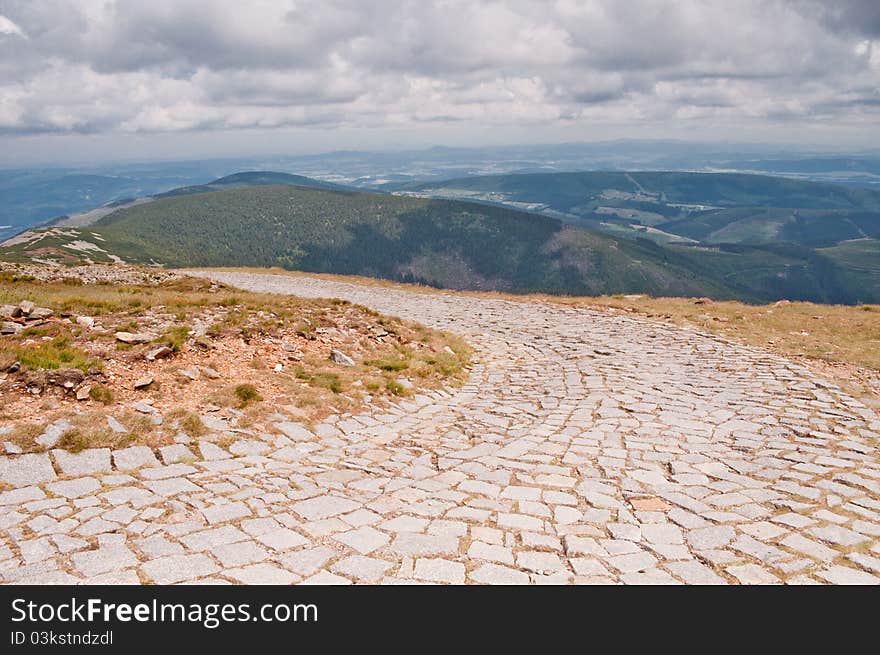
(104, 66)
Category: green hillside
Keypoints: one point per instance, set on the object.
(437, 242)
(251, 178)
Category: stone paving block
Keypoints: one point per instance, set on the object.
(282, 539)
(74, 488)
(424, 544)
(172, 487)
(306, 562)
(848, 576)
(326, 578)
(25, 470)
(364, 540)
(212, 452)
(490, 553)
(134, 457)
(323, 507)
(752, 574)
(693, 572)
(86, 462)
(206, 539)
(439, 570)
(175, 454)
(225, 512)
(179, 568)
(539, 562)
(21, 495)
(239, 553)
(362, 569)
(839, 535)
(103, 560)
(495, 574)
(262, 574)
(405, 524)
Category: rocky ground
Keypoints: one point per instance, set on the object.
(586, 447)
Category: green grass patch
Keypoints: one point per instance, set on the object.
(54, 354)
(246, 394)
(175, 337)
(389, 364)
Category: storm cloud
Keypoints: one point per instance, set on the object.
(99, 66)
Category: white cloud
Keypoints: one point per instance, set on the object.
(175, 65)
(7, 27)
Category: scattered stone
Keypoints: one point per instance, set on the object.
(26, 307)
(159, 353)
(116, 426)
(40, 313)
(84, 392)
(10, 311)
(214, 423)
(339, 357)
(53, 433)
(135, 337)
(144, 408)
(143, 382)
(8, 327)
(209, 372)
(85, 321)
(189, 373)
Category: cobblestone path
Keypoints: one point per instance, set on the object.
(586, 448)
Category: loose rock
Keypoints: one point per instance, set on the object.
(339, 357)
(135, 337)
(144, 382)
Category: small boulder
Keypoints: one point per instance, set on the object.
(189, 373)
(10, 311)
(144, 382)
(85, 321)
(26, 307)
(209, 373)
(84, 392)
(143, 408)
(703, 301)
(339, 357)
(39, 313)
(159, 353)
(8, 327)
(135, 337)
(116, 426)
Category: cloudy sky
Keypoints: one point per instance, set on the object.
(119, 78)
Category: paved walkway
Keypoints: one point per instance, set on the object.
(586, 447)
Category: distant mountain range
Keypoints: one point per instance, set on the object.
(710, 208)
(34, 195)
(754, 238)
